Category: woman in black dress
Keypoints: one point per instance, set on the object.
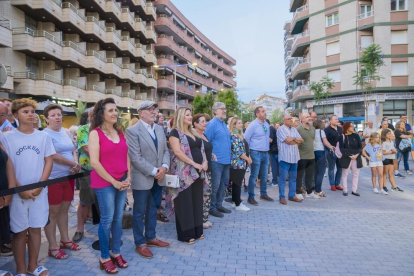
(188, 161)
(199, 123)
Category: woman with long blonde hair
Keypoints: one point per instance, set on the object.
(389, 151)
(373, 152)
(188, 162)
(239, 161)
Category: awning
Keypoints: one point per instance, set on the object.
(189, 31)
(181, 76)
(167, 10)
(205, 45)
(164, 69)
(179, 21)
(198, 70)
(191, 66)
(193, 82)
(228, 84)
(197, 38)
(198, 54)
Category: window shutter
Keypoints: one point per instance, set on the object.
(333, 48)
(399, 69)
(398, 37)
(335, 75)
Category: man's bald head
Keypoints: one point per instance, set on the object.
(4, 111)
(305, 117)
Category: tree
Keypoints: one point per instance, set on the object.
(229, 98)
(79, 109)
(203, 104)
(276, 116)
(366, 78)
(322, 91)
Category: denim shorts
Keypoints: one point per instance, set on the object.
(375, 164)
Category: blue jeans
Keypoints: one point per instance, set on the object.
(334, 179)
(259, 165)
(320, 167)
(111, 203)
(405, 157)
(146, 204)
(274, 164)
(220, 175)
(284, 170)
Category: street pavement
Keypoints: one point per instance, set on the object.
(368, 235)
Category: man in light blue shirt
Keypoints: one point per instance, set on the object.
(5, 125)
(257, 136)
(218, 134)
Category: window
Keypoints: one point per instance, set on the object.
(355, 109)
(332, 48)
(399, 69)
(332, 19)
(394, 108)
(366, 11)
(366, 40)
(398, 5)
(335, 75)
(398, 37)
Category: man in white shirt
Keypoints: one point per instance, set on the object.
(369, 130)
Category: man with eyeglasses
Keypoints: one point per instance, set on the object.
(257, 136)
(10, 117)
(150, 160)
(5, 125)
(218, 134)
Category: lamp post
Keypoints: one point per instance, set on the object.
(174, 66)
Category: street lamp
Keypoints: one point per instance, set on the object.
(174, 66)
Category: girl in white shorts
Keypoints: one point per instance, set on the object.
(373, 151)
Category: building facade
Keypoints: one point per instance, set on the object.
(86, 50)
(181, 44)
(328, 37)
(270, 103)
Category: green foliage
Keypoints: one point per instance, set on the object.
(123, 122)
(79, 109)
(322, 90)
(276, 116)
(367, 77)
(203, 104)
(229, 98)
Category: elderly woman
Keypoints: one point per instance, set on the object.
(60, 195)
(351, 149)
(188, 161)
(37, 123)
(200, 122)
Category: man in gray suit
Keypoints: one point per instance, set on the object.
(150, 159)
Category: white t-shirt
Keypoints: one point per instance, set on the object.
(63, 146)
(318, 144)
(368, 131)
(388, 146)
(28, 152)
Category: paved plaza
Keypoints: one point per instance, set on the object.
(368, 235)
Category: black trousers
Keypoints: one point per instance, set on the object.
(189, 212)
(236, 177)
(305, 167)
(4, 225)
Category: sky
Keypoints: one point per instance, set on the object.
(252, 33)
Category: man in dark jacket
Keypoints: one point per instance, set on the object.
(273, 153)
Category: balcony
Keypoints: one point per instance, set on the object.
(300, 43)
(5, 32)
(366, 18)
(150, 34)
(288, 59)
(111, 6)
(301, 68)
(150, 11)
(295, 4)
(300, 17)
(8, 85)
(169, 86)
(113, 36)
(287, 26)
(166, 103)
(27, 40)
(150, 58)
(301, 90)
(288, 41)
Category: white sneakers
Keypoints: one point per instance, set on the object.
(312, 195)
(376, 190)
(384, 192)
(242, 207)
(300, 196)
(409, 172)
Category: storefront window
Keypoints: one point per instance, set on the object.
(353, 109)
(324, 111)
(394, 108)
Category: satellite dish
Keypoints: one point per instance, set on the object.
(3, 75)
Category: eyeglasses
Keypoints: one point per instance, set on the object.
(223, 109)
(3, 114)
(153, 109)
(264, 128)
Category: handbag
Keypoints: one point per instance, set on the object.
(405, 145)
(172, 181)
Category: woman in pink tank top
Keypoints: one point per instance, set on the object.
(110, 179)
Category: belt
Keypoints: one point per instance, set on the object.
(260, 151)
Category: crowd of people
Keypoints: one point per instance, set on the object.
(203, 158)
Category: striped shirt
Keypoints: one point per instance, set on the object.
(287, 153)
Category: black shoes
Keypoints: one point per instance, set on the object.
(252, 201)
(345, 194)
(224, 210)
(216, 213)
(356, 194)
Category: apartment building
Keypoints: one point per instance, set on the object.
(270, 103)
(327, 38)
(179, 46)
(79, 50)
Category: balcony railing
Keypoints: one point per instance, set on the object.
(75, 10)
(300, 9)
(95, 54)
(74, 84)
(300, 61)
(112, 29)
(366, 15)
(58, 2)
(95, 88)
(113, 92)
(23, 30)
(117, 4)
(5, 22)
(301, 87)
(114, 61)
(51, 78)
(304, 34)
(97, 22)
(74, 46)
(25, 75)
(8, 70)
(40, 33)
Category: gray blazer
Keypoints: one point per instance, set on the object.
(144, 156)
